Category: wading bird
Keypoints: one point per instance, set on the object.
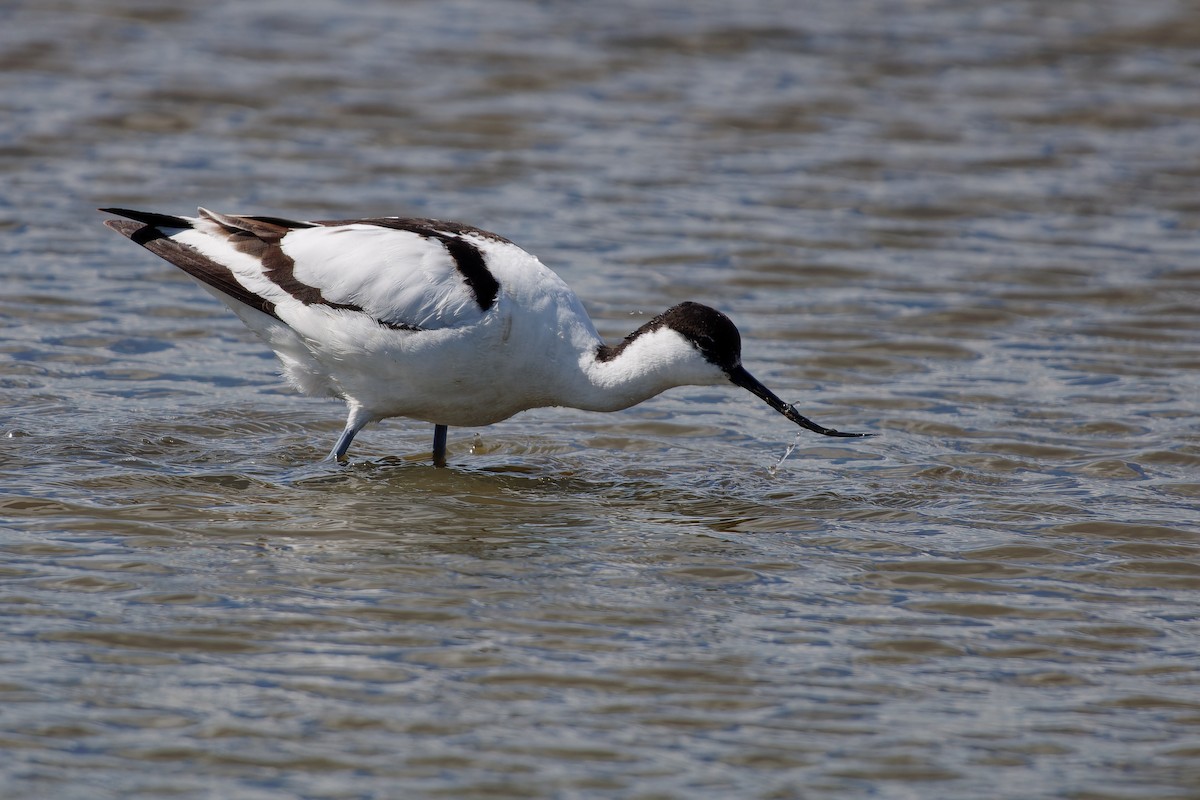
(436, 321)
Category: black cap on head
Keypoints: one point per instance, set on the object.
(713, 333)
(710, 331)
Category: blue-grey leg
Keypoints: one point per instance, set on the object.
(439, 445)
(354, 423)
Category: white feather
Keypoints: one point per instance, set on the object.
(393, 275)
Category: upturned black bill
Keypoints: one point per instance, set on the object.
(744, 379)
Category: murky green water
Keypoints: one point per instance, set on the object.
(969, 227)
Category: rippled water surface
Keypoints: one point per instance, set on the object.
(971, 227)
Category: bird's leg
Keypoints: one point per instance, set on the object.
(439, 445)
(355, 422)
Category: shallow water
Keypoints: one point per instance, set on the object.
(968, 227)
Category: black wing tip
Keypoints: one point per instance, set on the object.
(123, 226)
(146, 218)
(137, 232)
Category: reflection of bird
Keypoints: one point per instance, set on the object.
(434, 320)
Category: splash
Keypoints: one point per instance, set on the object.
(775, 469)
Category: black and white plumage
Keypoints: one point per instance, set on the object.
(433, 320)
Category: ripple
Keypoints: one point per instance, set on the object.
(969, 228)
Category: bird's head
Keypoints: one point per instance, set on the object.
(718, 342)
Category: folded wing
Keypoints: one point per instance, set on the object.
(403, 274)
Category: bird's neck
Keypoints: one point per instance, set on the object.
(614, 377)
